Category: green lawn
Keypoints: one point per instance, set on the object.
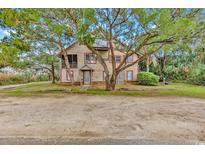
(173, 89)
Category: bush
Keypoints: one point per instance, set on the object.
(147, 78)
(6, 79)
(42, 77)
(197, 75)
(9, 79)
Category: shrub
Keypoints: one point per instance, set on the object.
(10, 79)
(42, 77)
(147, 78)
(197, 75)
(6, 79)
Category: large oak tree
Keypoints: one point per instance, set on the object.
(127, 30)
(131, 30)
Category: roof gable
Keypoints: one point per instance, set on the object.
(86, 68)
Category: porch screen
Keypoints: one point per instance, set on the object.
(73, 61)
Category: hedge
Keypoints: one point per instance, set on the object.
(147, 78)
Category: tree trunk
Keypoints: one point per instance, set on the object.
(107, 83)
(147, 63)
(110, 83)
(114, 73)
(52, 73)
(164, 63)
(113, 82)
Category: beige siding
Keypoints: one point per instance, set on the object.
(97, 74)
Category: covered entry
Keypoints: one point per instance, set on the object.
(87, 74)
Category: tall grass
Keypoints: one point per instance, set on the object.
(6, 79)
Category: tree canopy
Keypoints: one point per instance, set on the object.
(43, 32)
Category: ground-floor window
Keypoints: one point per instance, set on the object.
(129, 75)
(67, 75)
(121, 77)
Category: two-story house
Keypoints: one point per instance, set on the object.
(87, 70)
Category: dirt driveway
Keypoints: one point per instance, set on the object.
(83, 119)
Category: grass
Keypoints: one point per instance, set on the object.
(173, 89)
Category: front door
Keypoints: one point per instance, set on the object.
(86, 77)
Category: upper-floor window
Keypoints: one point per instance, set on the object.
(90, 58)
(118, 59)
(129, 59)
(73, 60)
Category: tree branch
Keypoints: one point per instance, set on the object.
(139, 59)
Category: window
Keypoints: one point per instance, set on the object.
(129, 75)
(130, 59)
(90, 58)
(117, 59)
(67, 75)
(73, 61)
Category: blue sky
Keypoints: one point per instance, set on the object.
(3, 32)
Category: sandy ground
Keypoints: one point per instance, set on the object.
(83, 119)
